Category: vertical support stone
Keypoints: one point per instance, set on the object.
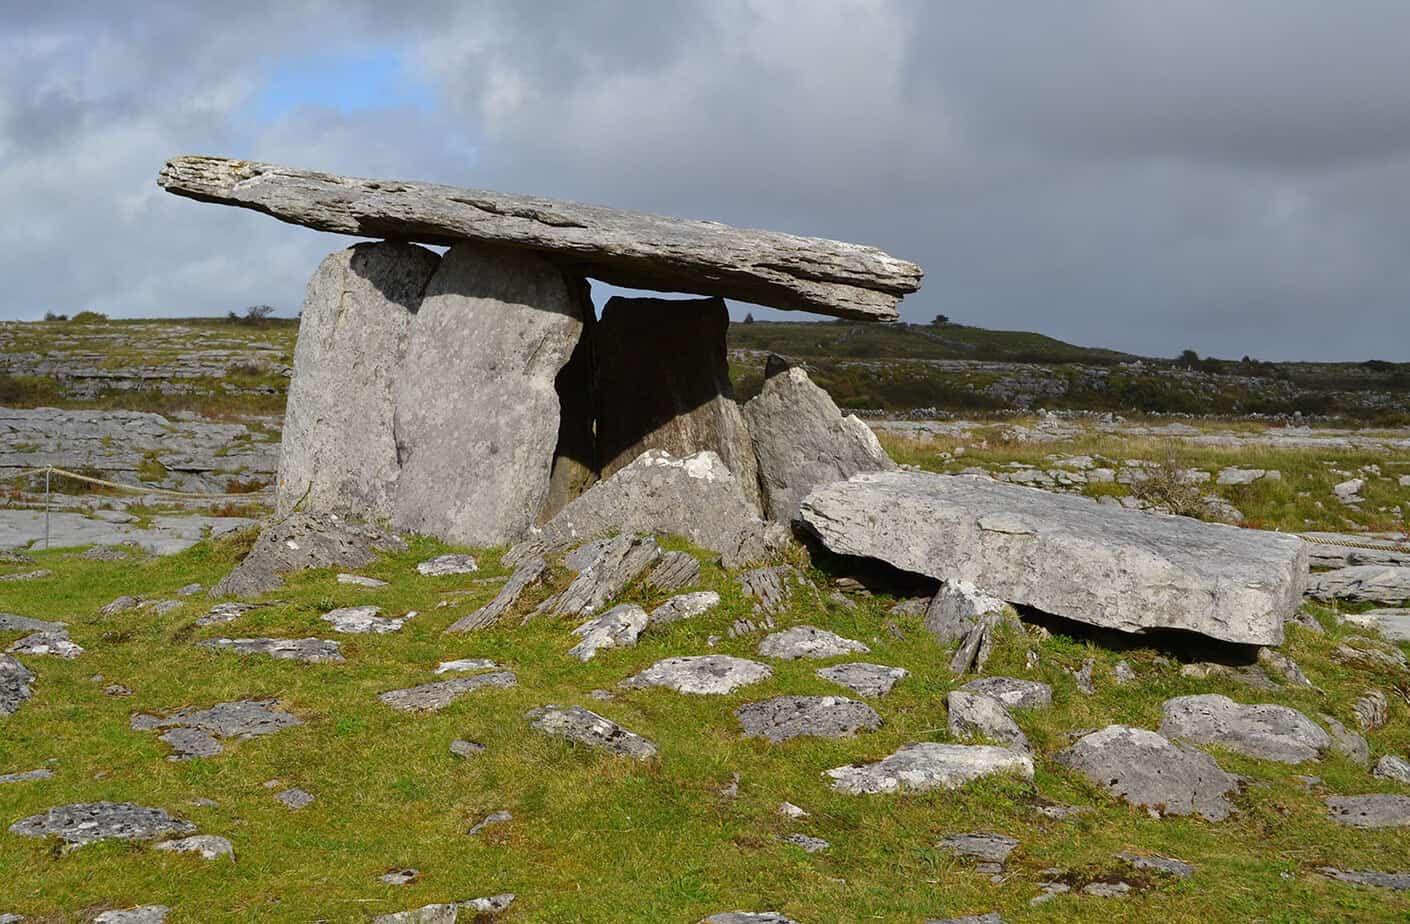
(575, 458)
(338, 454)
(663, 383)
(477, 413)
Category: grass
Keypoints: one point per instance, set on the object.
(595, 838)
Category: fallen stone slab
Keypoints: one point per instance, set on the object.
(1267, 731)
(586, 727)
(15, 684)
(926, 766)
(864, 679)
(449, 913)
(143, 914)
(621, 561)
(446, 565)
(222, 613)
(771, 588)
(89, 822)
(802, 440)
(675, 571)
(466, 749)
(524, 576)
(977, 716)
(1062, 554)
(786, 717)
(619, 627)
(209, 846)
(684, 606)
(985, 846)
(26, 776)
(1393, 624)
(629, 249)
(1346, 742)
(54, 644)
(704, 675)
(1376, 810)
(466, 665)
(1400, 882)
(300, 542)
(1359, 549)
(1013, 692)
(12, 623)
(696, 497)
(1177, 868)
(432, 697)
(307, 650)
(361, 580)
(808, 642)
(364, 620)
(1147, 770)
(1382, 584)
(239, 720)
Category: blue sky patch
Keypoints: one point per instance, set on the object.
(350, 80)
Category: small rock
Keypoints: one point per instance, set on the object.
(619, 627)
(806, 843)
(985, 846)
(357, 580)
(117, 689)
(462, 748)
(26, 776)
(1050, 891)
(991, 918)
(675, 570)
(1106, 889)
(701, 674)
(225, 612)
(731, 790)
(864, 679)
(208, 846)
(602, 696)
(445, 565)
(190, 590)
(789, 810)
(145, 914)
(1267, 731)
(748, 917)
(1372, 710)
(926, 766)
(1059, 811)
(432, 697)
(1377, 810)
(586, 727)
(1398, 881)
(786, 717)
(1123, 674)
(684, 606)
(307, 650)
(976, 716)
(1177, 868)
(400, 877)
(493, 818)
(1083, 677)
(120, 605)
(449, 913)
(1347, 742)
(1013, 692)
(466, 665)
(56, 644)
(1284, 666)
(295, 798)
(364, 620)
(808, 642)
(1391, 767)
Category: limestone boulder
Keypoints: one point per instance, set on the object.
(802, 440)
(1385, 584)
(338, 453)
(1065, 555)
(300, 542)
(1268, 731)
(476, 405)
(925, 766)
(1145, 769)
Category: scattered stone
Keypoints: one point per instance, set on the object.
(449, 913)
(466, 665)
(40, 574)
(1377, 810)
(117, 689)
(1083, 677)
(190, 590)
(864, 679)
(1285, 666)
(1266, 731)
(1013, 692)
(26, 776)
(1106, 889)
(1250, 675)
(585, 727)
(1398, 881)
(523, 577)
(915, 606)
(433, 697)
(802, 440)
(364, 620)
(300, 542)
(493, 818)
(1177, 868)
(295, 798)
(976, 716)
(1372, 710)
(786, 717)
(957, 608)
(806, 843)
(1122, 674)
(462, 748)
(1390, 767)
(770, 588)
(145, 914)
(12, 623)
(621, 561)
(400, 877)
(602, 695)
(1359, 651)
(1060, 554)
(225, 612)
(731, 790)
(15, 684)
(789, 810)
(445, 565)
(1393, 624)
(358, 580)
(1145, 769)
(1347, 742)
(991, 918)
(307, 650)
(57, 644)
(684, 606)
(701, 674)
(1060, 812)
(1349, 491)
(209, 846)
(748, 917)
(991, 850)
(619, 627)
(1382, 584)
(193, 731)
(926, 766)
(89, 822)
(675, 570)
(808, 642)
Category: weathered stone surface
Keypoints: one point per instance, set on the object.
(26, 776)
(144, 914)
(524, 576)
(222, 613)
(308, 650)
(616, 628)
(663, 383)
(472, 910)
(241, 720)
(1267, 731)
(701, 674)
(808, 642)
(466, 666)
(1283, 665)
(1105, 566)
(1393, 624)
(748, 917)
(477, 413)
(360, 580)
(864, 679)
(364, 620)
(1346, 742)
(1013, 692)
(54, 643)
(976, 716)
(1398, 881)
(1177, 868)
(621, 561)
(432, 697)
(802, 440)
(696, 497)
(299, 542)
(1391, 767)
(991, 917)
(785, 717)
(15, 685)
(338, 454)
(1147, 770)
(1372, 710)
(296, 798)
(623, 248)
(771, 588)
(957, 608)
(982, 845)
(12, 623)
(684, 606)
(924, 766)
(443, 565)
(88, 822)
(493, 818)
(806, 843)
(209, 846)
(1377, 810)
(1362, 584)
(466, 749)
(586, 727)
(675, 571)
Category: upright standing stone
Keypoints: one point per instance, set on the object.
(477, 413)
(663, 383)
(338, 455)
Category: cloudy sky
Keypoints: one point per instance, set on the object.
(1228, 177)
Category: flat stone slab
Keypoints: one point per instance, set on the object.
(863, 678)
(1382, 584)
(1397, 881)
(1376, 810)
(432, 697)
(143, 914)
(55, 644)
(983, 845)
(361, 580)
(295, 798)
(1393, 624)
(89, 822)
(1145, 769)
(307, 650)
(208, 846)
(1097, 564)
(808, 642)
(25, 776)
(927, 765)
(1267, 731)
(450, 912)
(584, 726)
(445, 565)
(675, 571)
(193, 731)
(786, 717)
(466, 665)
(15, 684)
(684, 606)
(1013, 692)
(616, 628)
(524, 576)
(624, 248)
(222, 613)
(364, 620)
(12, 623)
(748, 917)
(706, 675)
(1171, 867)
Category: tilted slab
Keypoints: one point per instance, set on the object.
(625, 248)
(1106, 566)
